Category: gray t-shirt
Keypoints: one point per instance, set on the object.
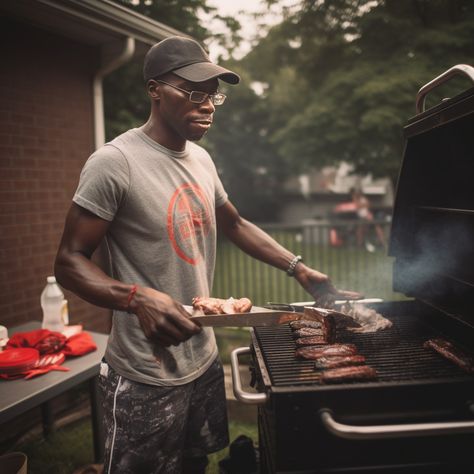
(161, 206)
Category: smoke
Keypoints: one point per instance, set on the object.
(436, 258)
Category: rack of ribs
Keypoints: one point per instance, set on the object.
(448, 350)
(325, 362)
(348, 374)
(314, 352)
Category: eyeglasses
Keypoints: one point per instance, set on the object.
(198, 97)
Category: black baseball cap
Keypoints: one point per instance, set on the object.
(187, 59)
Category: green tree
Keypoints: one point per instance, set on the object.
(250, 167)
(360, 65)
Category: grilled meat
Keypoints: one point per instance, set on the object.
(327, 320)
(329, 329)
(368, 320)
(208, 305)
(348, 374)
(341, 319)
(308, 332)
(335, 362)
(452, 353)
(220, 306)
(241, 305)
(305, 323)
(311, 341)
(312, 336)
(315, 352)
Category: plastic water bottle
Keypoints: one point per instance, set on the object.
(52, 299)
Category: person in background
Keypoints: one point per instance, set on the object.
(362, 206)
(153, 198)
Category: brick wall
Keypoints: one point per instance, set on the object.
(46, 134)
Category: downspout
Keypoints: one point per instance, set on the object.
(112, 65)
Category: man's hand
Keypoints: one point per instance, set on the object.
(319, 286)
(162, 319)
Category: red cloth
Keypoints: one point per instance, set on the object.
(79, 344)
(50, 342)
(46, 341)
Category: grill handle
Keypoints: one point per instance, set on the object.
(240, 394)
(393, 431)
(459, 69)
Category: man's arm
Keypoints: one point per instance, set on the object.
(162, 319)
(258, 244)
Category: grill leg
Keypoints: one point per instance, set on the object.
(263, 449)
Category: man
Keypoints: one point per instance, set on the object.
(153, 197)
(362, 206)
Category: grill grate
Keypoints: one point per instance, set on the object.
(396, 353)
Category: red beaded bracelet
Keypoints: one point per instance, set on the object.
(133, 290)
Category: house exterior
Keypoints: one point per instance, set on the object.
(55, 55)
(314, 195)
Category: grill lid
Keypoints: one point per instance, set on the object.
(432, 235)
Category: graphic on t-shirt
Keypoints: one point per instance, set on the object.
(189, 222)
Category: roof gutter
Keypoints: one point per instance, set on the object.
(113, 64)
(113, 17)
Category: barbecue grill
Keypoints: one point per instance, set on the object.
(418, 416)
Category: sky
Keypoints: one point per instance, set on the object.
(242, 10)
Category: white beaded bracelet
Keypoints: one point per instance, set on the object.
(291, 269)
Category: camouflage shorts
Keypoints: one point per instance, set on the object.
(151, 429)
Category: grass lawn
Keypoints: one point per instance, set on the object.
(71, 447)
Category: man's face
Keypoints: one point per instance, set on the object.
(188, 120)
